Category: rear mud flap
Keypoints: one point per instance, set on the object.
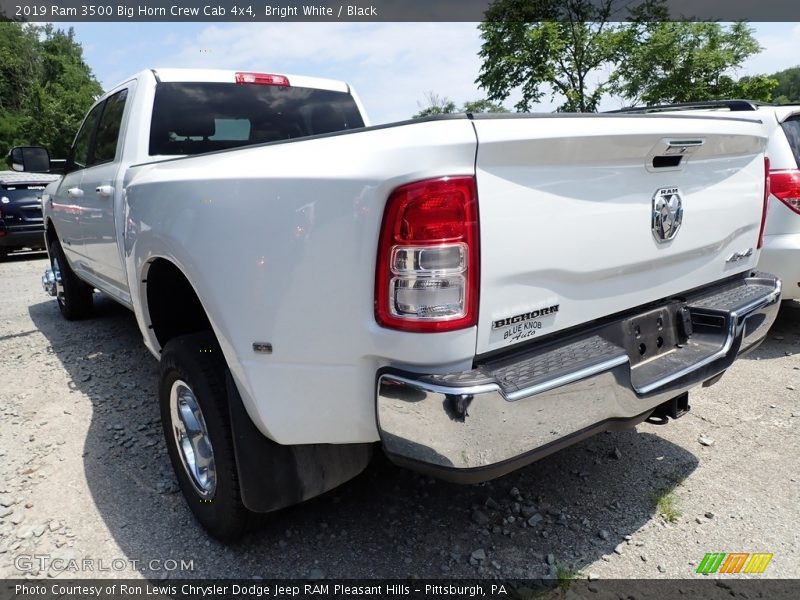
(274, 476)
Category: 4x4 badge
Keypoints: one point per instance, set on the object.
(667, 214)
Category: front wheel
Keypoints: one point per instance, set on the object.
(194, 415)
(74, 297)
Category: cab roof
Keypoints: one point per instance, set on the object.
(229, 76)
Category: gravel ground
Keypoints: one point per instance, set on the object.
(84, 474)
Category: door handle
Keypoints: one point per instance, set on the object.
(104, 190)
(75, 192)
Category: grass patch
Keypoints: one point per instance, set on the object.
(667, 504)
(565, 576)
(665, 500)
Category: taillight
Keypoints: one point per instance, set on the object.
(262, 79)
(765, 204)
(428, 260)
(785, 186)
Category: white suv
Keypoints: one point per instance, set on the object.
(780, 252)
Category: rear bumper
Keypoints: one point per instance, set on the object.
(509, 411)
(22, 238)
(781, 256)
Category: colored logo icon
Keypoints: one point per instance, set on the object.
(734, 562)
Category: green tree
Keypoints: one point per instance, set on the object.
(18, 59)
(435, 105)
(483, 106)
(556, 47)
(688, 61)
(582, 50)
(788, 89)
(45, 86)
(442, 105)
(755, 87)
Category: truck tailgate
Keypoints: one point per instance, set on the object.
(568, 231)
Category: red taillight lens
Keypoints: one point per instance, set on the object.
(765, 204)
(262, 79)
(427, 271)
(785, 186)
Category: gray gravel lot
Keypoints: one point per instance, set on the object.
(84, 474)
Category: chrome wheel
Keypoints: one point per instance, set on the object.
(192, 439)
(57, 285)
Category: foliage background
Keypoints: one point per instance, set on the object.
(45, 87)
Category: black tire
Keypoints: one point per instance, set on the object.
(3, 254)
(74, 297)
(197, 361)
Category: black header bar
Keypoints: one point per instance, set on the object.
(380, 10)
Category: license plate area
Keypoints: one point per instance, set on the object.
(654, 333)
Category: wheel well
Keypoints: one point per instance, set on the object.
(173, 305)
(50, 234)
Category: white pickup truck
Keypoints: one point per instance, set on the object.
(473, 292)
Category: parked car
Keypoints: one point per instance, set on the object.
(472, 292)
(21, 223)
(781, 252)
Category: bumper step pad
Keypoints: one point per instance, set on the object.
(516, 375)
(520, 373)
(735, 297)
(544, 367)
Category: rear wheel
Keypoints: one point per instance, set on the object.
(194, 415)
(74, 297)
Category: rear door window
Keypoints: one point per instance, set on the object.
(191, 118)
(79, 157)
(105, 146)
(791, 128)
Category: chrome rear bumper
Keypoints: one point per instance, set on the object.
(512, 410)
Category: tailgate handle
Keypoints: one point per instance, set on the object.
(669, 153)
(75, 192)
(664, 162)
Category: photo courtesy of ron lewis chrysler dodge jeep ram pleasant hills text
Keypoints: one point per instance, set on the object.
(473, 292)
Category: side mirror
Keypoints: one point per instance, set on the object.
(29, 158)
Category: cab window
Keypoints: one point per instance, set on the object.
(192, 118)
(105, 146)
(79, 156)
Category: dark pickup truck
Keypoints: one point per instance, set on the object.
(21, 224)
